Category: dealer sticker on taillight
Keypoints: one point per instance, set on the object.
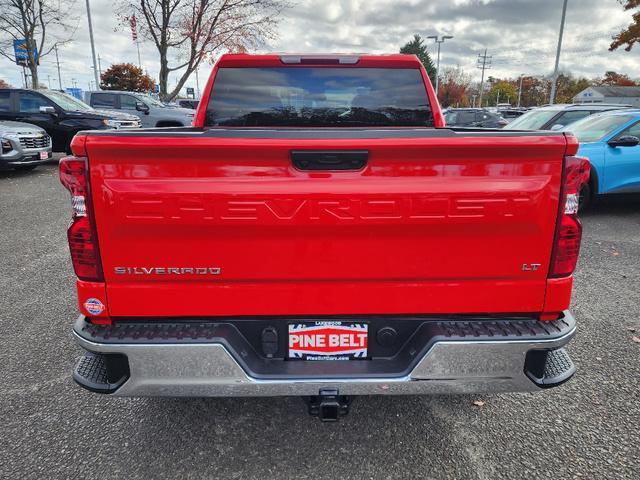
(328, 340)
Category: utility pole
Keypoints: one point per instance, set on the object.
(99, 66)
(555, 70)
(520, 89)
(58, 63)
(93, 47)
(484, 63)
(439, 42)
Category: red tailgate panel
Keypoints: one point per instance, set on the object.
(431, 225)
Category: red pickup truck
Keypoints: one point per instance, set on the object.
(320, 232)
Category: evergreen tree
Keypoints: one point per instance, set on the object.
(417, 48)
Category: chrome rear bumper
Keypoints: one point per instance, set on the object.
(475, 364)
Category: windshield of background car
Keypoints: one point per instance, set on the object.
(318, 97)
(593, 129)
(533, 120)
(460, 117)
(66, 101)
(150, 101)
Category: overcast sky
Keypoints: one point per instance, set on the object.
(521, 35)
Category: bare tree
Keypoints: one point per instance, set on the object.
(189, 32)
(44, 24)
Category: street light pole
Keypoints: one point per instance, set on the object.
(197, 84)
(439, 42)
(93, 47)
(555, 70)
(58, 63)
(520, 89)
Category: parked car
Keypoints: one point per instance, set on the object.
(558, 116)
(152, 113)
(188, 103)
(510, 114)
(23, 146)
(473, 117)
(58, 113)
(611, 143)
(398, 257)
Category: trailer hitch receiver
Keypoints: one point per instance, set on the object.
(328, 405)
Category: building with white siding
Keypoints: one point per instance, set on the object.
(624, 95)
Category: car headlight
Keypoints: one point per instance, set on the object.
(5, 145)
(111, 123)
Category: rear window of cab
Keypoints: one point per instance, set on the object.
(318, 97)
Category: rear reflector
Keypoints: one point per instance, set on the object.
(569, 230)
(83, 241)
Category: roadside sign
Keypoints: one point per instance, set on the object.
(75, 92)
(191, 91)
(22, 54)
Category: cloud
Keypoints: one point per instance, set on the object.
(521, 36)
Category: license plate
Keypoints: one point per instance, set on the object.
(328, 340)
(44, 155)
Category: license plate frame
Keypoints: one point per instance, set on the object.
(328, 340)
(43, 156)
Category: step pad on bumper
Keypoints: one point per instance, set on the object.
(101, 373)
(556, 369)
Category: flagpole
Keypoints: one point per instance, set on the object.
(134, 36)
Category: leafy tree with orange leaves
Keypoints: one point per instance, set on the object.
(630, 35)
(126, 76)
(616, 79)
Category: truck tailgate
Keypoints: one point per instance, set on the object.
(204, 223)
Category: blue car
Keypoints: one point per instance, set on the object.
(611, 143)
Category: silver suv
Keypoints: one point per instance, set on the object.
(558, 116)
(152, 113)
(23, 146)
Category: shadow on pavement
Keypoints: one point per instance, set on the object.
(250, 434)
(614, 204)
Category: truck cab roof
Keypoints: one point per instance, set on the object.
(396, 60)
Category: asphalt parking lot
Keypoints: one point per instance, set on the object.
(50, 428)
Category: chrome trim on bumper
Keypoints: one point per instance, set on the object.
(208, 369)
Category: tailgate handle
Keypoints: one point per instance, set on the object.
(329, 159)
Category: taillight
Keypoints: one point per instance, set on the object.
(83, 241)
(569, 229)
